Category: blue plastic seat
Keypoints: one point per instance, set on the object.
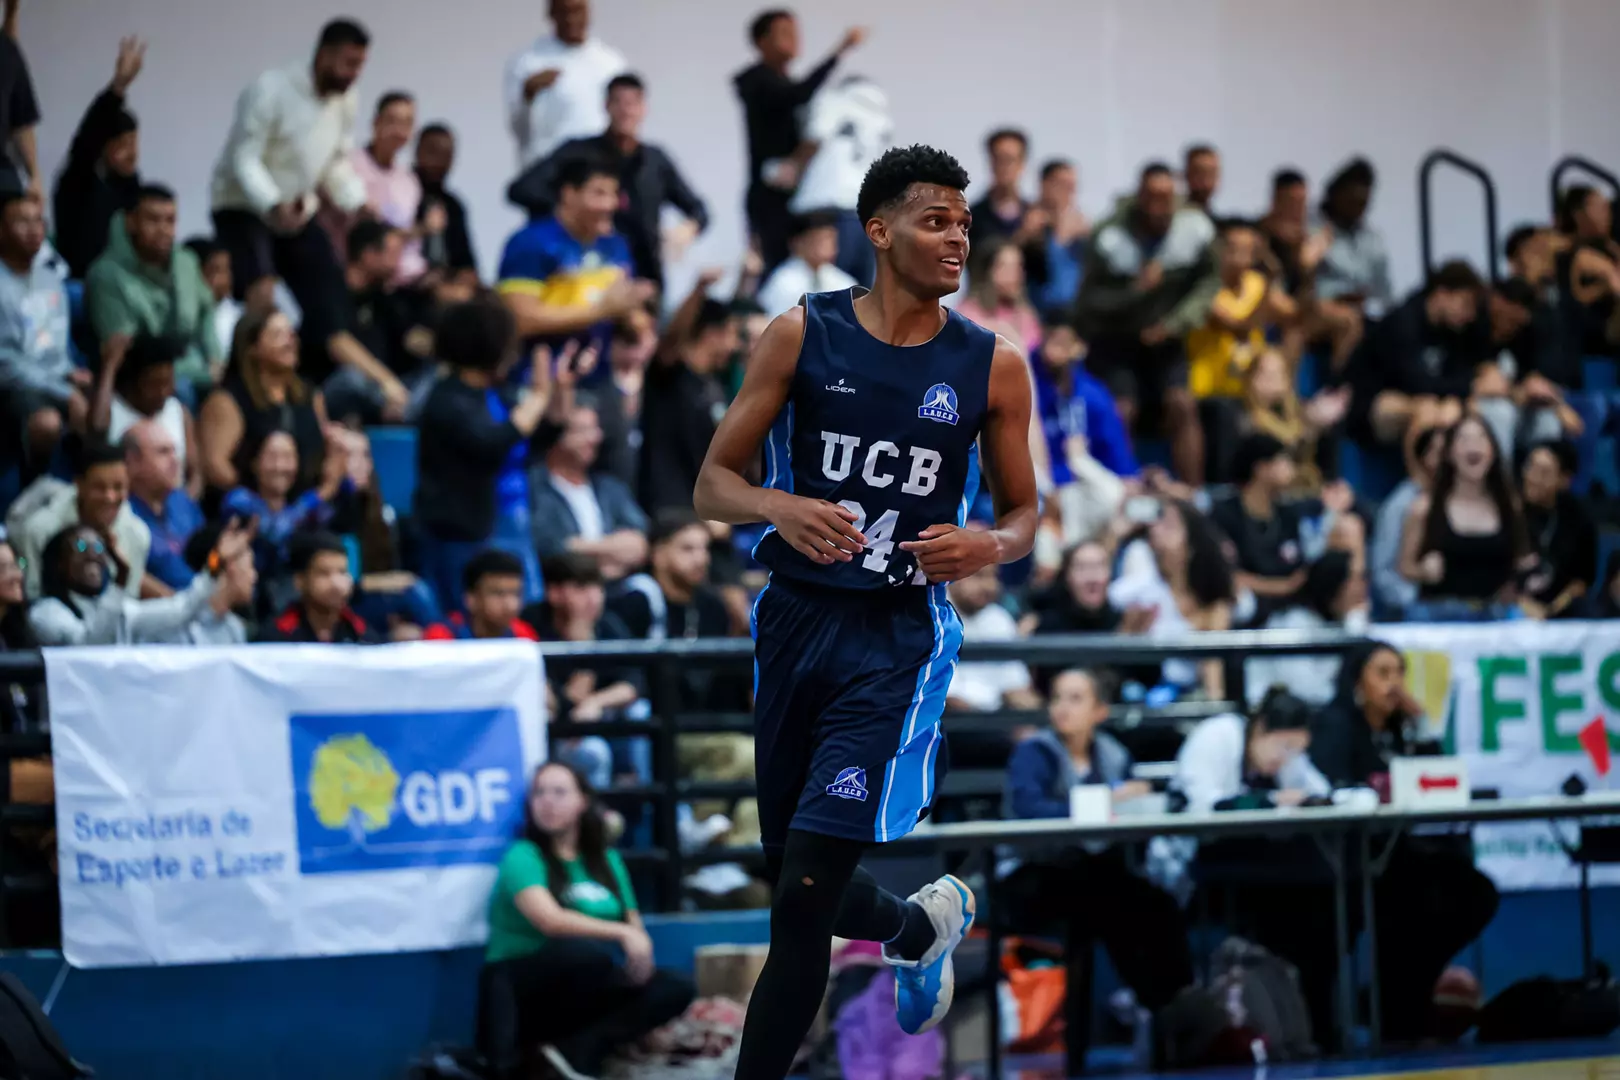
(393, 450)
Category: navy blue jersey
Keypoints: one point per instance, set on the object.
(889, 432)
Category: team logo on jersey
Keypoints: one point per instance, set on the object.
(840, 388)
(939, 404)
(850, 784)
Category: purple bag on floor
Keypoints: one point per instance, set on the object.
(871, 1045)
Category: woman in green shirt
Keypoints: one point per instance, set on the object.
(553, 984)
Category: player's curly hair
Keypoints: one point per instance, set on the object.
(900, 167)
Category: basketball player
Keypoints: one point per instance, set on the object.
(872, 408)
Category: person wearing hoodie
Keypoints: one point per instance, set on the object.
(1430, 901)
(144, 283)
(1093, 894)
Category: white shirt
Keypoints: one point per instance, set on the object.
(286, 142)
(850, 123)
(1140, 584)
(983, 684)
(573, 107)
(171, 418)
(794, 279)
(227, 313)
(581, 500)
(1210, 765)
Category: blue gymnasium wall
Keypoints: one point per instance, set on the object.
(362, 1018)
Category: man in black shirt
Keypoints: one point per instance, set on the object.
(19, 115)
(771, 103)
(648, 179)
(376, 343)
(682, 401)
(1004, 211)
(450, 248)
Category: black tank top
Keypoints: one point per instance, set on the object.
(1476, 566)
(298, 419)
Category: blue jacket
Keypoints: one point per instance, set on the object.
(1086, 410)
(1041, 772)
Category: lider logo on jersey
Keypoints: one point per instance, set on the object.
(840, 388)
(849, 784)
(382, 791)
(939, 404)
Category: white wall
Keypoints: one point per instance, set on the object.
(1108, 83)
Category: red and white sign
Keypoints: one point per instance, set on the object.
(1429, 782)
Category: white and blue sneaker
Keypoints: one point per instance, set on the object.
(923, 989)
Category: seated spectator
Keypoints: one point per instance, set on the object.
(447, 246)
(997, 299)
(492, 596)
(1309, 430)
(1093, 894)
(1246, 308)
(215, 263)
(1562, 530)
(1333, 597)
(474, 445)
(99, 177)
(269, 471)
(1277, 538)
(159, 499)
(1530, 353)
(137, 385)
(683, 400)
(98, 500)
(373, 358)
(1421, 366)
(85, 598)
(321, 612)
(1067, 231)
(1606, 604)
(648, 177)
(1352, 278)
(811, 268)
(561, 896)
(1087, 447)
(1004, 211)
(1294, 249)
(1391, 592)
(19, 705)
(1281, 888)
(987, 685)
(1150, 277)
(1464, 543)
(386, 596)
(1586, 270)
(41, 388)
(261, 392)
(144, 283)
(1175, 568)
(1078, 601)
(1430, 901)
(392, 189)
(577, 509)
(222, 621)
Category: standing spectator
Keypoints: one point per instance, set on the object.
(449, 248)
(99, 177)
(648, 180)
(812, 268)
(215, 263)
(771, 100)
(371, 363)
(1004, 211)
(1562, 530)
(97, 500)
(320, 567)
(474, 446)
(568, 275)
(997, 298)
(1391, 592)
(86, 597)
(261, 392)
(144, 283)
(1149, 281)
(492, 596)
(1465, 542)
(1067, 230)
(576, 508)
(159, 499)
(392, 188)
(850, 125)
(19, 115)
(555, 88)
(683, 400)
(1201, 171)
(1352, 278)
(987, 685)
(41, 388)
(289, 142)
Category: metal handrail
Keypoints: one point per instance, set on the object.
(1555, 180)
(1436, 158)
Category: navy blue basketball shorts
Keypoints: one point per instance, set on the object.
(848, 691)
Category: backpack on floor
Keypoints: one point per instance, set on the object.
(1533, 1010)
(1253, 1011)
(30, 1048)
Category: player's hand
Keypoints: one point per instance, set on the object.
(950, 552)
(638, 955)
(821, 531)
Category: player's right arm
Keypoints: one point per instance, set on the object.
(821, 531)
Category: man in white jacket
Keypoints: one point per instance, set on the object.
(556, 89)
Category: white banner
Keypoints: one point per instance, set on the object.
(1513, 697)
(286, 800)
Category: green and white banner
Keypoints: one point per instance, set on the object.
(1513, 698)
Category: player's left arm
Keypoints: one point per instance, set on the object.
(949, 552)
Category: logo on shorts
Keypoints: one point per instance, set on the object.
(939, 404)
(850, 784)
